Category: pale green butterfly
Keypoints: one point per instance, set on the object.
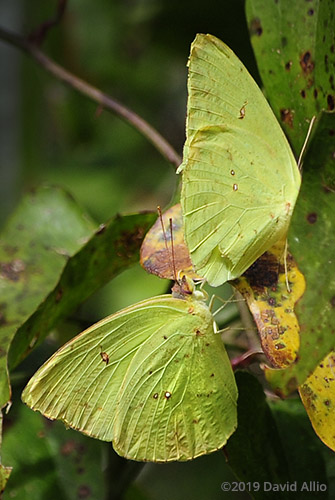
(240, 178)
(154, 379)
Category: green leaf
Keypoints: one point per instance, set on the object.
(112, 248)
(5, 472)
(46, 229)
(305, 452)
(40, 283)
(296, 59)
(198, 479)
(311, 241)
(256, 437)
(273, 448)
(50, 462)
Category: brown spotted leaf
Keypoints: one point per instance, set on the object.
(312, 242)
(296, 61)
(61, 464)
(272, 305)
(156, 249)
(45, 230)
(318, 396)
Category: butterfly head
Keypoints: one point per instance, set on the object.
(184, 288)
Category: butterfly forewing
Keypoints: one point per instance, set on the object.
(240, 178)
(76, 386)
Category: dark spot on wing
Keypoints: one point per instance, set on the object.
(288, 65)
(104, 356)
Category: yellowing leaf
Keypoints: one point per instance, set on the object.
(272, 305)
(318, 397)
(156, 258)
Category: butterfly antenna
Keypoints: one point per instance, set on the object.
(172, 266)
(305, 143)
(173, 254)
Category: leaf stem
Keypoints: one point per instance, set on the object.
(96, 95)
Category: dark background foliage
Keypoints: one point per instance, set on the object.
(135, 50)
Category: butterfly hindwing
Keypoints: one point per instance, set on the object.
(179, 396)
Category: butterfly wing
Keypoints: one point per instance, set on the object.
(93, 394)
(76, 386)
(179, 394)
(240, 178)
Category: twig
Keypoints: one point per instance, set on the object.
(93, 93)
(38, 35)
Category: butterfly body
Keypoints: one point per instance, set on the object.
(166, 393)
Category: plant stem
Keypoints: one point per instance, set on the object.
(96, 95)
(39, 34)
